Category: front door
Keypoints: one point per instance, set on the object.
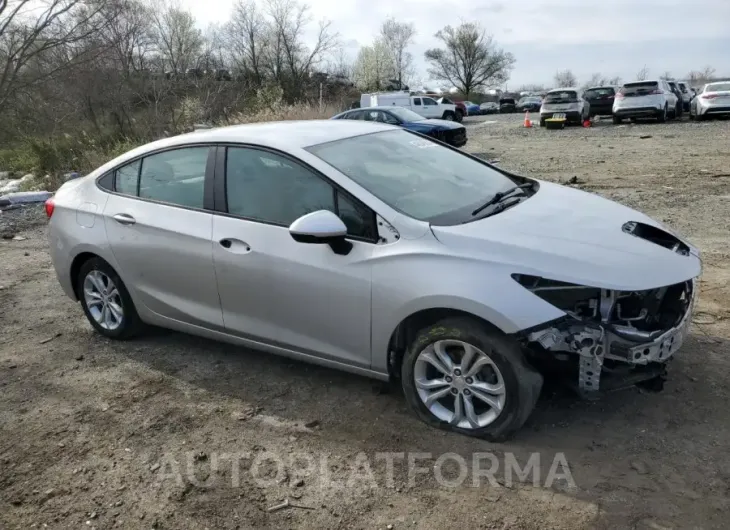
(161, 236)
(297, 296)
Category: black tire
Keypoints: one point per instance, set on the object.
(700, 117)
(448, 116)
(542, 122)
(131, 324)
(662, 116)
(691, 116)
(617, 120)
(522, 382)
(459, 115)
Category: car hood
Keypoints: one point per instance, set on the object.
(430, 125)
(569, 235)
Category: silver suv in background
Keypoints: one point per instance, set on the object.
(645, 99)
(712, 100)
(568, 103)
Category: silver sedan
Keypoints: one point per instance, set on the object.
(712, 100)
(365, 247)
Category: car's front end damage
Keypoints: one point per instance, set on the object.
(620, 338)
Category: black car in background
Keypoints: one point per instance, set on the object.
(507, 105)
(601, 100)
(529, 103)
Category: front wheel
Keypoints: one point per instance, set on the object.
(106, 301)
(462, 376)
(459, 115)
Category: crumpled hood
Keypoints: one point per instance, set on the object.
(573, 236)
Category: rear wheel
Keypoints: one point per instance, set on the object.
(449, 116)
(459, 115)
(617, 120)
(462, 376)
(106, 301)
(542, 122)
(662, 116)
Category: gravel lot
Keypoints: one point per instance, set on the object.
(92, 432)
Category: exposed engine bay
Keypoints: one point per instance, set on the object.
(609, 328)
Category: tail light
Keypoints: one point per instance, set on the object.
(708, 96)
(619, 95)
(50, 205)
(657, 91)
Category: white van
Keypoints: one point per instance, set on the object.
(426, 106)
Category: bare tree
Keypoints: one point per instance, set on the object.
(396, 37)
(642, 74)
(291, 60)
(615, 81)
(667, 76)
(469, 59)
(246, 37)
(33, 31)
(179, 41)
(565, 78)
(596, 80)
(373, 67)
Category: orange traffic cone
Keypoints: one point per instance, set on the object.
(528, 123)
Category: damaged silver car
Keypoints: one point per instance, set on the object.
(368, 248)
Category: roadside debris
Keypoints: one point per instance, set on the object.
(46, 341)
(287, 504)
(15, 185)
(645, 137)
(24, 197)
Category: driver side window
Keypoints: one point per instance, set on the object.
(264, 186)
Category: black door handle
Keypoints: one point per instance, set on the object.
(226, 243)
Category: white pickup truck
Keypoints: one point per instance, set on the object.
(426, 106)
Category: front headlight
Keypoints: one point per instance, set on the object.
(563, 295)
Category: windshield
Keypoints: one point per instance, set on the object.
(416, 176)
(682, 87)
(563, 96)
(639, 89)
(718, 87)
(405, 114)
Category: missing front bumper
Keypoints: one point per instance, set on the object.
(638, 356)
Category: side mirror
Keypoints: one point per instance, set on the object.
(321, 227)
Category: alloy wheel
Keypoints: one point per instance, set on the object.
(103, 300)
(459, 384)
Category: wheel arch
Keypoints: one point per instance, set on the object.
(408, 327)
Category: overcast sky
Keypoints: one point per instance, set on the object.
(613, 37)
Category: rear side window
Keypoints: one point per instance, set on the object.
(176, 177)
(417, 101)
(564, 96)
(125, 178)
(596, 93)
(639, 89)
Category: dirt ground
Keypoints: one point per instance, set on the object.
(93, 432)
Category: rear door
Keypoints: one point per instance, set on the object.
(274, 290)
(160, 233)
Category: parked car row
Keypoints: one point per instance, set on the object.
(655, 99)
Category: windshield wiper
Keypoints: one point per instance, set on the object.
(499, 197)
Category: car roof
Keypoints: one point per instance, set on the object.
(284, 135)
(574, 89)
